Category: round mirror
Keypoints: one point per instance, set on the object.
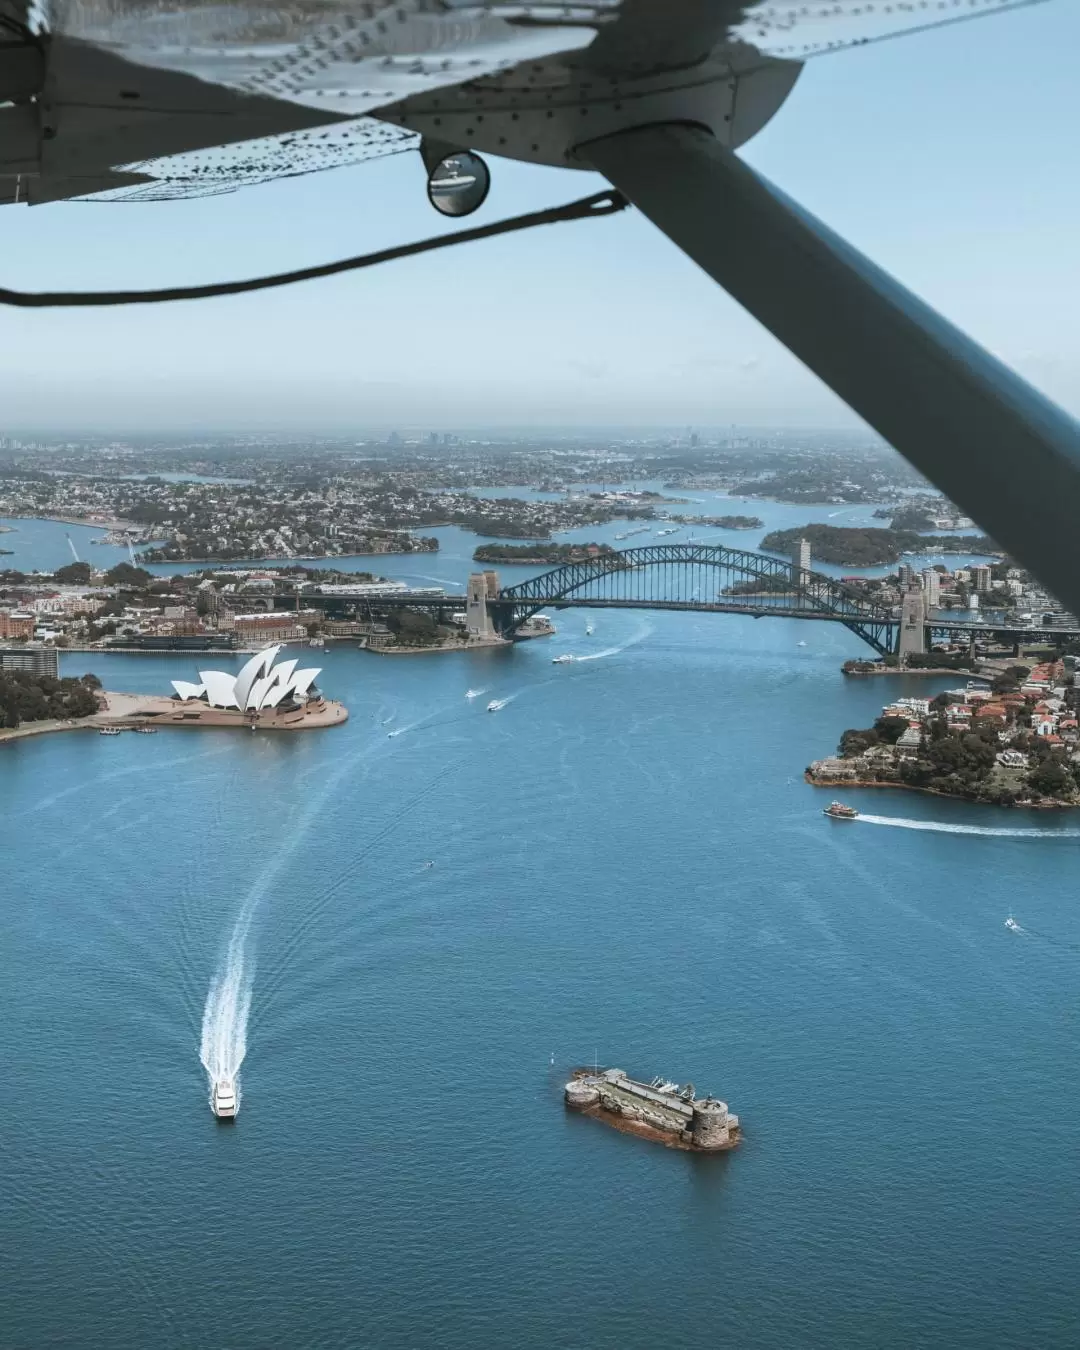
(458, 184)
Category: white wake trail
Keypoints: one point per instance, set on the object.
(939, 827)
(223, 1043)
(614, 651)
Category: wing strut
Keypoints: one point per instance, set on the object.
(1004, 453)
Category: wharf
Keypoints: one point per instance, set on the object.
(659, 1110)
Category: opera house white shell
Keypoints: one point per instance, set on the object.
(259, 685)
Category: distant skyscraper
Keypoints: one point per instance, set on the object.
(393, 439)
(906, 575)
(981, 579)
(800, 559)
(931, 580)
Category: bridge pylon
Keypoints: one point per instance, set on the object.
(911, 639)
(483, 586)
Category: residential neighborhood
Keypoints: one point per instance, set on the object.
(1010, 740)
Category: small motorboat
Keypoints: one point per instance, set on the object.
(589, 630)
(561, 660)
(146, 731)
(224, 1102)
(1011, 923)
(496, 704)
(109, 731)
(838, 811)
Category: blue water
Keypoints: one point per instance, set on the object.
(627, 863)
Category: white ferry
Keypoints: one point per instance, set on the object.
(109, 731)
(224, 1103)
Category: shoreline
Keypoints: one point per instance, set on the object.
(258, 562)
(104, 525)
(127, 712)
(1044, 805)
(914, 670)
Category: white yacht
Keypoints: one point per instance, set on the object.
(224, 1103)
(496, 704)
(561, 660)
(589, 630)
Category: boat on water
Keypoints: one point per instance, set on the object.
(561, 660)
(589, 630)
(470, 694)
(838, 811)
(800, 644)
(146, 731)
(108, 731)
(1011, 923)
(224, 1102)
(496, 704)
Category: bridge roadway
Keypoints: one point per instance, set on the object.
(678, 577)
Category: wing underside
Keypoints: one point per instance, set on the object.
(158, 99)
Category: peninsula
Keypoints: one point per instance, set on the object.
(862, 547)
(540, 554)
(1012, 742)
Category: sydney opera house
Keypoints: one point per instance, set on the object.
(262, 695)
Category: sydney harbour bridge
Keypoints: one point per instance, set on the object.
(712, 578)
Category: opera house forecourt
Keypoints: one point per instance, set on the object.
(262, 696)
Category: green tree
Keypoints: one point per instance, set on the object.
(74, 574)
(890, 729)
(1051, 778)
(127, 575)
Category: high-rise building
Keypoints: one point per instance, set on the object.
(931, 582)
(981, 578)
(906, 576)
(800, 558)
(35, 660)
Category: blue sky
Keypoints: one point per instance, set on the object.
(950, 158)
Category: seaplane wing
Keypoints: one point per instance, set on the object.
(146, 100)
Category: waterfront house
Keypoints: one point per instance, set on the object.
(1013, 759)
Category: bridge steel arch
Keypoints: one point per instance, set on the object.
(696, 577)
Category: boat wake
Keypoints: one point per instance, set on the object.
(615, 651)
(225, 1017)
(223, 1043)
(940, 827)
(474, 693)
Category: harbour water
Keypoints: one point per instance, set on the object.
(628, 865)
